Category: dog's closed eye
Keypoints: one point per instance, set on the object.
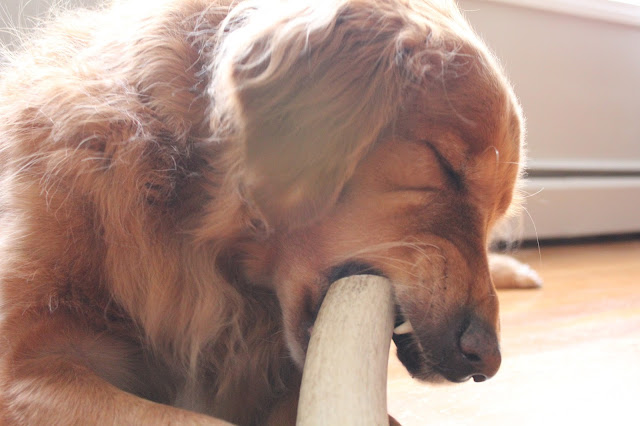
(417, 166)
(454, 177)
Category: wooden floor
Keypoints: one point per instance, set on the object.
(571, 351)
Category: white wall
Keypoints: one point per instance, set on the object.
(578, 79)
(16, 14)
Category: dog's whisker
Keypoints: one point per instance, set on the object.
(529, 195)
(535, 230)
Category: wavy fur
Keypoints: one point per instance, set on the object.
(148, 152)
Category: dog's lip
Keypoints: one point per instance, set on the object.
(409, 351)
(413, 357)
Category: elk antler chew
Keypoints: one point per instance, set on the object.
(345, 373)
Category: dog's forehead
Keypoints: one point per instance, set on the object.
(465, 123)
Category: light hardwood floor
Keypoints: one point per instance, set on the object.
(571, 351)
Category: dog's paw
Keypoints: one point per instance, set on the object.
(508, 272)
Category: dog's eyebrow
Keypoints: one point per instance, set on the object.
(453, 175)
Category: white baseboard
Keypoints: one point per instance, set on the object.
(582, 165)
(579, 207)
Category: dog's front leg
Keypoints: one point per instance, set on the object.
(55, 370)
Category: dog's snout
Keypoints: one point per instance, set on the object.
(480, 350)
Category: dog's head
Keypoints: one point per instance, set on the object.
(380, 137)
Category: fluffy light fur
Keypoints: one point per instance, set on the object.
(178, 179)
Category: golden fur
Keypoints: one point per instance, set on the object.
(180, 180)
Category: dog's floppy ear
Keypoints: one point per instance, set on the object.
(312, 87)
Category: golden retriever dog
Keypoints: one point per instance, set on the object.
(182, 180)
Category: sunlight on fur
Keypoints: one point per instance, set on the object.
(181, 178)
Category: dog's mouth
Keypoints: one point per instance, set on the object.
(460, 346)
(443, 357)
(409, 351)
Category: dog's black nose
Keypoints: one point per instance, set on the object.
(480, 350)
